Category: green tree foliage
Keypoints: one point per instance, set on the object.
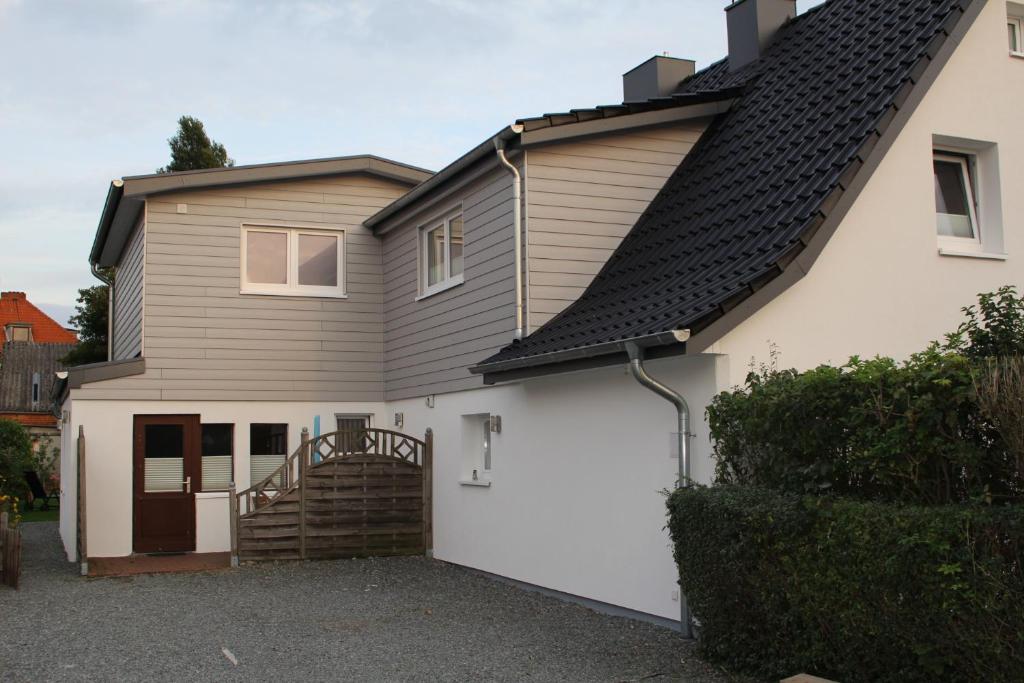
(993, 329)
(91, 321)
(15, 458)
(192, 148)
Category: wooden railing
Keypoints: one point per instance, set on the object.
(313, 452)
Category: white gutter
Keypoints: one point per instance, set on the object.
(517, 227)
(636, 368)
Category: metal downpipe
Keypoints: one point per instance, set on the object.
(517, 229)
(636, 368)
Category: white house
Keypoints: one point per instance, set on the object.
(842, 183)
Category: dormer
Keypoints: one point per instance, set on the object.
(18, 332)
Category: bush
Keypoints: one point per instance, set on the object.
(15, 458)
(853, 591)
(874, 429)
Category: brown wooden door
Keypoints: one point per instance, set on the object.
(166, 471)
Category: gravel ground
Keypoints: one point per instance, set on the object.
(396, 619)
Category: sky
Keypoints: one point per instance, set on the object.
(90, 91)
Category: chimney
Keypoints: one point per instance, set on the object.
(752, 27)
(657, 77)
(12, 295)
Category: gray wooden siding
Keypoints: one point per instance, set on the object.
(582, 199)
(429, 344)
(128, 296)
(206, 341)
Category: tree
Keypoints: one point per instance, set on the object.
(192, 148)
(91, 320)
(15, 458)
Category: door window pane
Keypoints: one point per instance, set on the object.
(217, 450)
(268, 446)
(952, 201)
(164, 458)
(318, 260)
(456, 237)
(266, 257)
(435, 255)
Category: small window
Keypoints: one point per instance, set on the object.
(19, 332)
(218, 451)
(292, 261)
(477, 448)
(441, 262)
(35, 389)
(955, 206)
(1015, 35)
(268, 447)
(353, 436)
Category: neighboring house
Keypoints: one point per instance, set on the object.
(840, 184)
(30, 353)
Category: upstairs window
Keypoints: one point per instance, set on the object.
(292, 261)
(441, 254)
(1015, 35)
(955, 205)
(35, 389)
(18, 332)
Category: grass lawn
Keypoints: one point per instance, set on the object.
(51, 515)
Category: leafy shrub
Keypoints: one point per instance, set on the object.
(15, 458)
(853, 591)
(873, 429)
(943, 426)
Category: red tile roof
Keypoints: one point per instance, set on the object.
(31, 419)
(16, 308)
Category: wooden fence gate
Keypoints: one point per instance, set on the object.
(345, 494)
(10, 553)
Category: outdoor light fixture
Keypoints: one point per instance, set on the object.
(430, 401)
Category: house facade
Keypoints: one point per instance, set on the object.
(830, 188)
(31, 350)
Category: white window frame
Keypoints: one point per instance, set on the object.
(292, 287)
(968, 169)
(444, 220)
(1018, 24)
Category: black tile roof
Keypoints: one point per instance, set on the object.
(761, 180)
(18, 362)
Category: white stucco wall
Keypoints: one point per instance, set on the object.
(108, 438)
(880, 285)
(575, 503)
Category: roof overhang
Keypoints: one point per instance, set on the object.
(126, 197)
(658, 345)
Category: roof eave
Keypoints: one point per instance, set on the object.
(559, 361)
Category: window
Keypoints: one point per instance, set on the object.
(1015, 35)
(292, 261)
(164, 457)
(268, 447)
(477, 449)
(954, 197)
(441, 254)
(35, 389)
(217, 453)
(353, 433)
(19, 332)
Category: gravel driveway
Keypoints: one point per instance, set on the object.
(401, 619)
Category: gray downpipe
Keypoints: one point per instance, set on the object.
(110, 308)
(636, 368)
(499, 146)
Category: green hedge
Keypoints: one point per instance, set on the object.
(849, 590)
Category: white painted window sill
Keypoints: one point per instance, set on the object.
(211, 494)
(1018, 55)
(483, 483)
(993, 256)
(441, 287)
(296, 294)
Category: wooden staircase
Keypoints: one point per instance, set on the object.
(344, 494)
